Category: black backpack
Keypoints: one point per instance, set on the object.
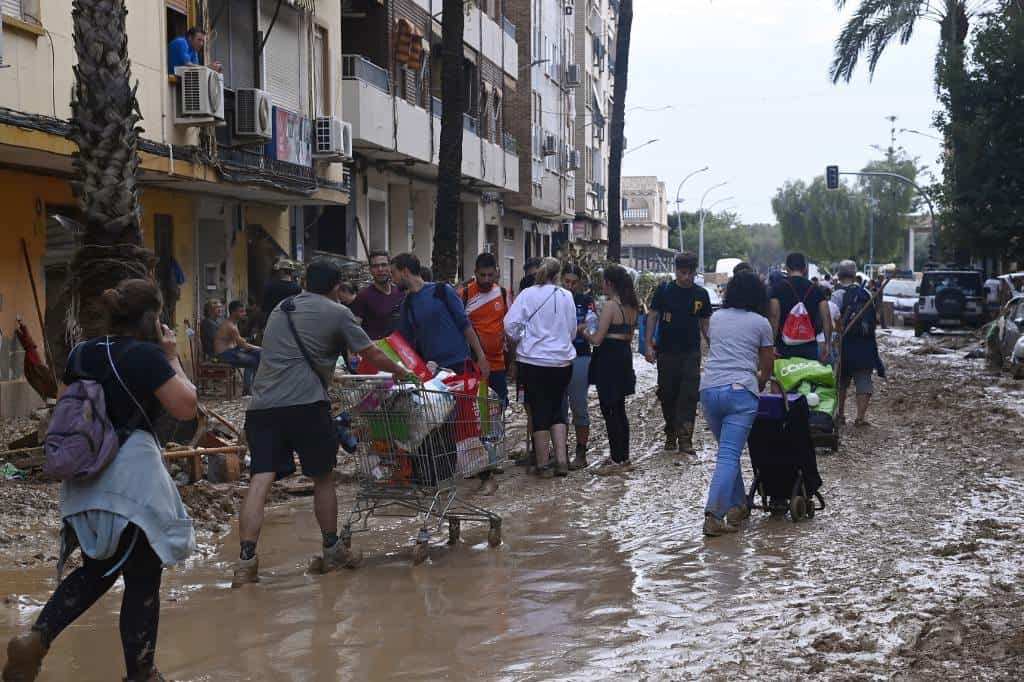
(855, 299)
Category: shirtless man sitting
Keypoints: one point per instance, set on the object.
(232, 349)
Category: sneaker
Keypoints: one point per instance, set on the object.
(339, 556)
(246, 572)
(671, 445)
(608, 467)
(737, 514)
(24, 657)
(714, 527)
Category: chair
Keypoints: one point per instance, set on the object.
(212, 377)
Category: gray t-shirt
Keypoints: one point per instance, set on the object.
(326, 329)
(737, 336)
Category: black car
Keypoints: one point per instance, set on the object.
(949, 298)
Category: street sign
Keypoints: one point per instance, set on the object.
(832, 177)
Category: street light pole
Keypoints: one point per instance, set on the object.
(679, 204)
(700, 247)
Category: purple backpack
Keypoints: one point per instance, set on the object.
(81, 441)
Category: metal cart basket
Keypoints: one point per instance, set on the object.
(415, 443)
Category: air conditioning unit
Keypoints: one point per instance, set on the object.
(574, 159)
(548, 148)
(253, 114)
(572, 75)
(333, 138)
(200, 95)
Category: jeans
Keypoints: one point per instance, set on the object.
(614, 413)
(248, 360)
(140, 603)
(577, 395)
(730, 413)
(679, 392)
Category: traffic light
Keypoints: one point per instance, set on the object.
(832, 177)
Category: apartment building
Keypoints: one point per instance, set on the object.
(232, 176)
(392, 98)
(645, 224)
(539, 216)
(596, 22)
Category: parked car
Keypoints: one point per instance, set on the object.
(1005, 340)
(949, 298)
(902, 293)
(713, 296)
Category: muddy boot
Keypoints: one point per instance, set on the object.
(152, 675)
(339, 556)
(714, 527)
(246, 572)
(579, 461)
(24, 657)
(737, 514)
(671, 444)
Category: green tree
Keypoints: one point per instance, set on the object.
(827, 225)
(766, 249)
(891, 201)
(984, 208)
(104, 124)
(723, 237)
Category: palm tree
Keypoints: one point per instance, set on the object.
(104, 124)
(876, 23)
(617, 140)
(445, 255)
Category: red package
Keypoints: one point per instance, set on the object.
(398, 349)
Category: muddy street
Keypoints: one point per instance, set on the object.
(912, 572)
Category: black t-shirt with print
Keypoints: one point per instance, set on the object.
(680, 310)
(143, 368)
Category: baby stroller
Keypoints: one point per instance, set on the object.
(782, 457)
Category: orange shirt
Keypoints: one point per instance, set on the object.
(486, 312)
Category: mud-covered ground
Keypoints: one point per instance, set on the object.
(913, 571)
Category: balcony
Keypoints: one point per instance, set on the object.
(508, 27)
(635, 214)
(357, 67)
(471, 124)
(508, 141)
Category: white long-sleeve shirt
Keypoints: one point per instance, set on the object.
(550, 331)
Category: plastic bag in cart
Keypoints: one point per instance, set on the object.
(471, 409)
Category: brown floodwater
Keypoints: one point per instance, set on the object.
(596, 578)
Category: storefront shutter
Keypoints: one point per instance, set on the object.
(282, 58)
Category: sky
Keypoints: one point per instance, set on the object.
(750, 96)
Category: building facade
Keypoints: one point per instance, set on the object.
(645, 224)
(596, 22)
(220, 202)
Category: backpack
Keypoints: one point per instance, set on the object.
(81, 440)
(855, 299)
(799, 328)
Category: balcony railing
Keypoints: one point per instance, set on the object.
(435, 107)
(470, 123)
(508, 141)
(357, 67)
(636, 213)
(509, 27)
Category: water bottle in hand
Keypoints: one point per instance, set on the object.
(591, 322)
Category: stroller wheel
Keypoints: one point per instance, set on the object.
(798, 508)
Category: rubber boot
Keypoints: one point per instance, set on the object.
(246, 572)
(24, 657)
(580, 460)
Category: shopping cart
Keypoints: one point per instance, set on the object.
(415, 444)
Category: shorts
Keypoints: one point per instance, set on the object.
(275, 435)
(861, 380)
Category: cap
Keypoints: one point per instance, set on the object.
(284, 264)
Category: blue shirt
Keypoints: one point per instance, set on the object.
(435, 325)
(180, 53)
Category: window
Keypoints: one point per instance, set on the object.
(23, 10)
(472, 87)
(321, 73)
(177, 19)
(232, 40)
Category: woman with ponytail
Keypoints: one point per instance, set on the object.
(128, 519)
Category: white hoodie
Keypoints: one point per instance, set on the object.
(549, 315)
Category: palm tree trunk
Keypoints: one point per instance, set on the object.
(618, 123)
(104, 118)
(445, 256)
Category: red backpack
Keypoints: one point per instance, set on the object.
(799, 328)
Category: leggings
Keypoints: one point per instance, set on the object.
(614, 413)
(545, 389)
(140, 604)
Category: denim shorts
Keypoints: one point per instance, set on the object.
(861, 380)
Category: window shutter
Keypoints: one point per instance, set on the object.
(176, 5)
(11, 8)
(241, 34)
(282, 58)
